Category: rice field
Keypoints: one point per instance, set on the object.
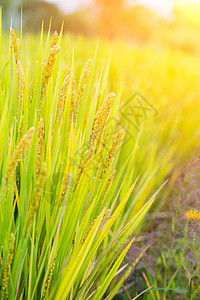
(91, 147)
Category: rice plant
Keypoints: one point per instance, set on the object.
(69, 208)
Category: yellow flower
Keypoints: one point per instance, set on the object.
(192, 215)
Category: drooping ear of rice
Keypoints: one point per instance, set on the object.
(17, 154)
(7, 269)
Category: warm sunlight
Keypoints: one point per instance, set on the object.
(163, 7)
(99, 149)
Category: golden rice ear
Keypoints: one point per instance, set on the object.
(54, 39)
(109, 182)
(62, 97)
(111, 153)
(73, 96)
(21, 127)
(40, 138)
(7, 269)
(47, 70)
(65, 184)
(15, 45)
(21, 86)
(17, 154)
(100, 120)
(49, 278)
(82, 167)
(102, 148)
(81, 86)
(18, 47)
(31, 93)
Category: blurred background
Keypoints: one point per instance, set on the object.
(137, 21)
